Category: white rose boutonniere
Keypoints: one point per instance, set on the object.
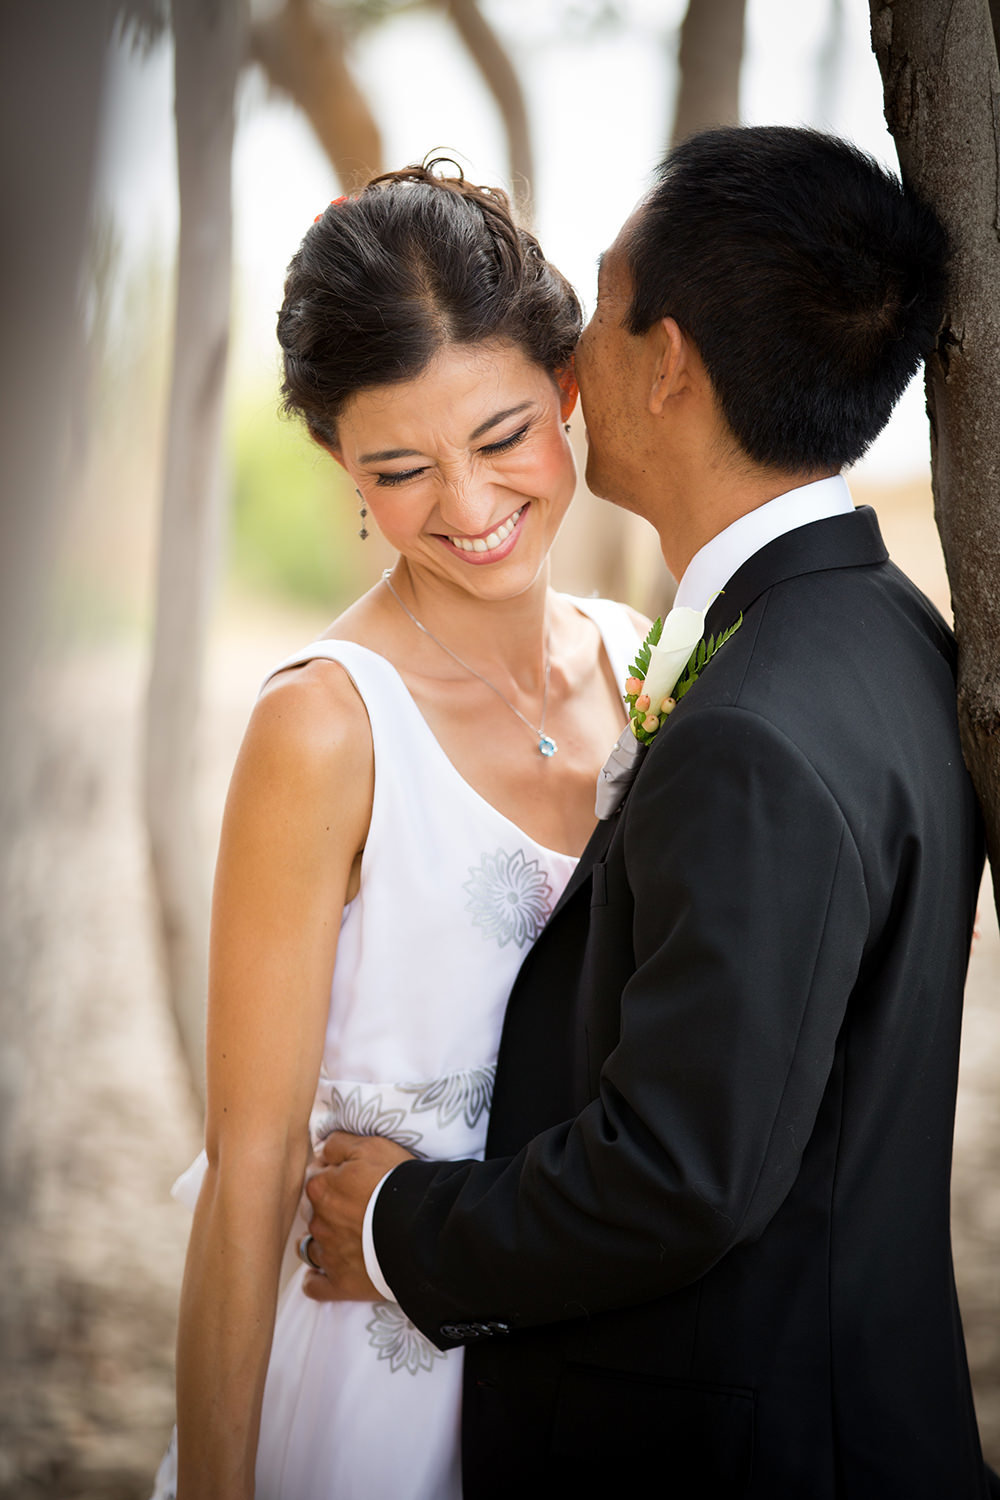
(668, 664)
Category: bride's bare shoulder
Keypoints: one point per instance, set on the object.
(311, 718)
(640, 621)
(571, 613)
(310, 726)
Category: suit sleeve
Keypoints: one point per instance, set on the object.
(750, 918)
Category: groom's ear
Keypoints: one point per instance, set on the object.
(672, 364)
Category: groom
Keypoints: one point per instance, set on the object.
(709, 1245)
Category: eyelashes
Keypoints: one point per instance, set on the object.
(507, 443)
(386, 481)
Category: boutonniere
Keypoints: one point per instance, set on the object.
(667, 666)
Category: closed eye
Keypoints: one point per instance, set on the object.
(508, 442)
(491, 449)
(400, 478)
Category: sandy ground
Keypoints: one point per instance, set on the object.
(115, 1122)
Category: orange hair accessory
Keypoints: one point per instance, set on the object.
(334, 203)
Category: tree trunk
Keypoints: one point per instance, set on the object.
(303, 54)
(942, 104)
(829, 65)
(208, 42)
(52, 62)
(498, 73)
(709, 61)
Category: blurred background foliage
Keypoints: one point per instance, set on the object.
(293, 528)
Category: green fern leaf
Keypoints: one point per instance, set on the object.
(641, 664)
(700, 658)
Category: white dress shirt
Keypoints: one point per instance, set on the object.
(705, 575)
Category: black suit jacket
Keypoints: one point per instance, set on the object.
(711, 1236)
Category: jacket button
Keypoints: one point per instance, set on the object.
(453, 1330)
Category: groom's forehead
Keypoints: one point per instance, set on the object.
(615, 259)
(613, 270)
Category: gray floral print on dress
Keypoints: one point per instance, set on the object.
(397, 1340)
(468, 1093)
(359, 1116)
(510, 897)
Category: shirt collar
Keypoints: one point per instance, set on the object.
(714, 564)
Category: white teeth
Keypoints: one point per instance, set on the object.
(489, 543)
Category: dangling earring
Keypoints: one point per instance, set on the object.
(363, 533)
(566, 425)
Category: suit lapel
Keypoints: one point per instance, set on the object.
(592, 855)
(847, 541)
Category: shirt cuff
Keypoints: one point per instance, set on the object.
(372, 1266)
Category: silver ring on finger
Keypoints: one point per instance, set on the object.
(305, 1257)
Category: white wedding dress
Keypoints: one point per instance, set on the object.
(358, 1404)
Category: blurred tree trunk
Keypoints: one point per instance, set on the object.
(303, 54)
(942, 103)
(208, 49)
(829, 64)
(709, 61)
(52, 69)
(500, 76)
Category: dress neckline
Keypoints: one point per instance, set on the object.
(439, 749)
(442, 754)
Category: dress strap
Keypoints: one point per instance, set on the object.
(618, 633)
(348, 654)
(392, 712)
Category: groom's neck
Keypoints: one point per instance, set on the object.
(695, 507)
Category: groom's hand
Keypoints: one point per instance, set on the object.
(347, 1169)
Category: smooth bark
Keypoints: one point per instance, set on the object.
(52, 70)
(709, 61)
(303, 53)
(500, 76)
(942, 104)
(209, 43)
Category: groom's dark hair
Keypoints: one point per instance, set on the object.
(811, 281)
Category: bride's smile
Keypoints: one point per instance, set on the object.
(490, 548)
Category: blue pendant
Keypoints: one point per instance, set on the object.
(546, 745)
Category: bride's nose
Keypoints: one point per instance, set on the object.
(468, 505)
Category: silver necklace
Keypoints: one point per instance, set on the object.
(546, 744)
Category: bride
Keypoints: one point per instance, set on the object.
(408, 802)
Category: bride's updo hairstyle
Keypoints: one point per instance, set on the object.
(384, 280)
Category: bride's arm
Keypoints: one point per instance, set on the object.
(296, 816)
